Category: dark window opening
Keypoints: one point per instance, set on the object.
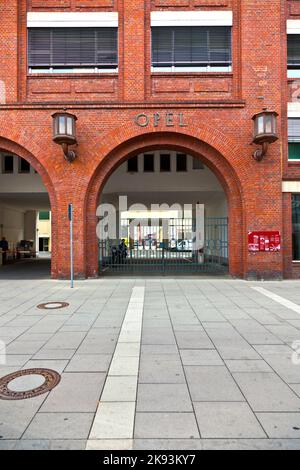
(165, 162)
(293, 42)
(181, 162)
(8, 164)
(148, 163)
(186, 46)
(132, 165)
(24, 166)
(197, 164)
(296, 226)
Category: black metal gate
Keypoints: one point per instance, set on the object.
(148, 251)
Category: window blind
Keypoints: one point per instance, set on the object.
(191, 45)
(73, 47)
(294, 129)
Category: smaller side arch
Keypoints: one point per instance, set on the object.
(16, 149)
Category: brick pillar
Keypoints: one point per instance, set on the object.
(133, 38)
(261, 78)
(8, 51)
(61, 226)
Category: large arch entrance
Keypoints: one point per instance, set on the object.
(26, 200)
(208, 184)
(163, 212)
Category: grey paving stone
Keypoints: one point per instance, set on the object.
(24, 347)
(89, 363)
(54, 364)
(200, 357)
(16, 415)
(255, 333)
(96, 345)
(287, 333)
(46, 444)
(168, 425)
(284, 366)
(193, 340)
(251, 444)
(163, 397)
(76, 392)
(7, 444)
(66, 340)
(212, 383)
(35, 337)
(296, 388)
(249, 365)
(59, 426)
(233, 347)
(277, 349)
(281, 425)
(158, 349)
(165, 368)
(15, 360)
(227, 420)
(208, 315)
(167, 444)
(54, 354)
(158, 336)
(267, 392)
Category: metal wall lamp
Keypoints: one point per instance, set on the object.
(64, 133)
(265, 132)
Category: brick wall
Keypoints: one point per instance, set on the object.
(217, 110)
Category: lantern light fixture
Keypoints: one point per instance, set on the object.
(64, 133)
(265, 132)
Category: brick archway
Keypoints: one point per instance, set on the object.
(12, 147)
(218, 156)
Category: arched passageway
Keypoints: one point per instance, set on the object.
(26, 214)
(212, 184)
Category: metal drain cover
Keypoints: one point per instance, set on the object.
(28, 383)
(53, 305)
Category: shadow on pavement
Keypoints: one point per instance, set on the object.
(26, 269)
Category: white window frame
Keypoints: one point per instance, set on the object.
(72, 20)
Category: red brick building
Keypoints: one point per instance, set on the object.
(195, 96)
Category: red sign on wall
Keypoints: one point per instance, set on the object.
(264, 241)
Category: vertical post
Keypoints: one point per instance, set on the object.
(70, 212)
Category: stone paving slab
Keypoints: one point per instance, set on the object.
(76, 392)
(59, 426)
(227, 420)
(281, 425)
(267, 392)
(170, 425)
(212, 383)
(163, 397)
(89, 363)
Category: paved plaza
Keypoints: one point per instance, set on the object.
(154, 363)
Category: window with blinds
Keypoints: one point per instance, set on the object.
(293, 47)
(293, 50)
(294, 138)
(67, 49)
(184, 47)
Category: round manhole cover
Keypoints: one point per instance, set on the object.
(53, 305)
(28, 383)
